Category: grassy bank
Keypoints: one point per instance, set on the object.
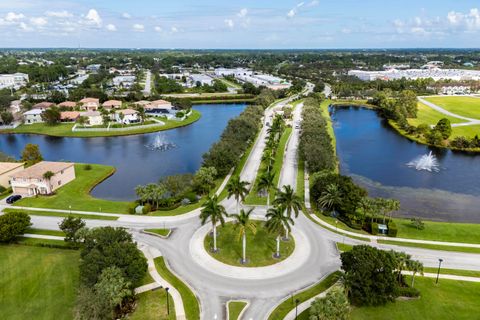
(62, 214)
(463, 106)
(431, 246)
(235, 308)
(76, 194)
(37, 283)
(286, 306)
(190, 302)
(65, 129)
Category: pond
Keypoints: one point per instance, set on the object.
(376, 157)
(135, 162)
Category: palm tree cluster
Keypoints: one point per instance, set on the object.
(404, 262)
(279, 218)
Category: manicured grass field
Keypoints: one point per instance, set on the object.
(447, 300)
(235, 308)
(456, 272)
(152, 305)
(431, 246)
(463, 106)
(430, 116)
(37, 283)
(61, 214)
(77, 193)
(342, 247)
(465, 131)
(57, 233)
(285, 307)
(65, 129)
(160, 232)
(260, 247)
(190, 302)
(49, 243)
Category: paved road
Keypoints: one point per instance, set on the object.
(148, 84)
(471, 121)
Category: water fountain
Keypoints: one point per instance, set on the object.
(427, 162)
(160, 144)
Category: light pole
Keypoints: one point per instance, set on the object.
(168, 303)
(296, 308)
(438, 271)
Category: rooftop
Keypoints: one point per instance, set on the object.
(8, 166)
(37, 170)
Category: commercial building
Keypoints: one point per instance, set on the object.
(13, 81)
(6, 170)
(201, 79)
(32, 181)
(434, 73)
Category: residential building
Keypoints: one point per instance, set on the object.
(90, 104)
(69, 116)
(94, 118)
(67, 104)
(31, 181)
(43, 105)
(15, 106)
(93, 68)
(112, 104)
(33, 116)
(160, 108)
(13, 81)
(123, 81)
(7, 169)
(127, 116)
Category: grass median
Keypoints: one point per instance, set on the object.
(235, 308)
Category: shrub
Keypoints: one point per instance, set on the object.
(408, 292)
(179, 114)
(392, 229)
(2, 189)
(87, 167)
(147, 208)
(13, 224)
(374, 228)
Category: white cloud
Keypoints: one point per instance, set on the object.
(93, 17)
(111, 27)
(158, 29)
(39, 21)
(291, 13)
(59, 14)
(313, 3)
(12, 16)
(126, 15)
(174, 29)
(243, 13)
(138, 27)
(25, 27)
(229, 23)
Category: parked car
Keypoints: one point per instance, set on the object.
(13, 198)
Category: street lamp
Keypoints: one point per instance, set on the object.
(296, 308)
(168, 304)
(438, 271)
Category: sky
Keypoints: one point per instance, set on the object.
(224, 24)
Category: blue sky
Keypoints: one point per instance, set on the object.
(279, 24)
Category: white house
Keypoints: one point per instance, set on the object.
(15, 81)
(127, 116)
(33, 116)
(160, 108)
(94, 118)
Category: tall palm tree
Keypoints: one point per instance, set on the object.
(213, 210)
(331, 198)
(269, 157)
(289, 201)
(244, 223)
(402, 260)
(48, 177)
(277, 222)
(416, 267)
(266, 182)
(237, 189)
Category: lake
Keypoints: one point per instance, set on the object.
(135, 162)
(376, 157)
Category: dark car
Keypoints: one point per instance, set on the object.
(13, 198)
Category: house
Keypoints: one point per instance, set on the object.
(127, 116)
(31, 181)
(7, 169)
(69, 116)
(142, 103)
(160, 108)
(67, 104)
(123, 81)
(90, 104)
(93, 68)
(112, 104)
(94, 118)
(33, 116)
(43, 105)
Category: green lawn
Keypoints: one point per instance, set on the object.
(65, 129)
(190, 302)
(456, 272)
(147, 279)
(57, 233)
(430, 116)
(465, 131)
(463, 106)
(342, 247)
(235, 308)
(152, 305)
(448, 300)
(260, 247)
(160, 232)
(49, 243)
(37, 283)
(285, 307)
(61, 214)
(431, 246)
(77, 193)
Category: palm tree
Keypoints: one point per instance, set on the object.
(416, 267)
(214, 211)
(244, 223)
(402, 260)
(331, 197)
(277, 222)
(237, 189)
(269, 157)
(266, 182)
(48, 177)
(289, 201)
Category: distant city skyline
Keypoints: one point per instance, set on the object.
(188, 24)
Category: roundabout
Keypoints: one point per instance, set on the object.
(260, 246)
